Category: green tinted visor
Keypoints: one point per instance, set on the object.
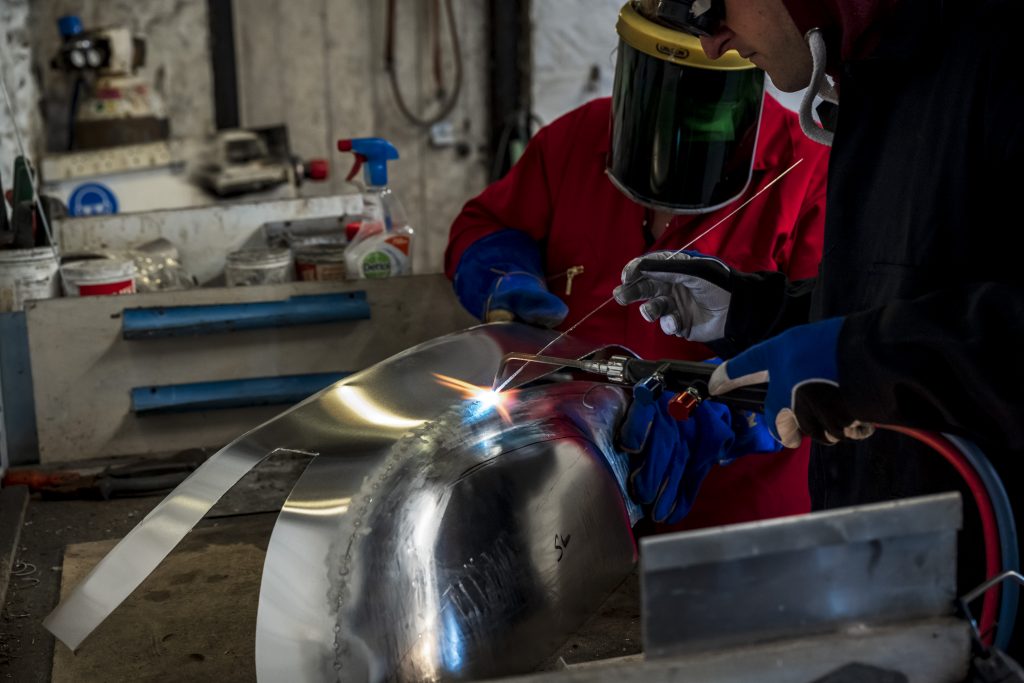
(684, 128)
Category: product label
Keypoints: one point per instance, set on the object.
(108, 289)
(376, 265)
(321, 272)
(400, 242)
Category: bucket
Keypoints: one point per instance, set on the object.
(99, 277)
(26, 274)
(258, 267)
(320, 262)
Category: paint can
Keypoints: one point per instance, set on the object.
(320, 262)
(99, 277)
(250, 267)
(26, 274)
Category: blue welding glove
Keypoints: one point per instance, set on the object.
(752, 433)
(670, 458)
(500, 277)
(802, 371)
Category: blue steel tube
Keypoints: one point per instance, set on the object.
(239, 393)
(176, 321)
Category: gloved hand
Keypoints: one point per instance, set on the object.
(802, 372)
(500, 278)
(689, 295)
(670, 459)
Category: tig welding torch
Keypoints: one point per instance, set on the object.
(687, 379)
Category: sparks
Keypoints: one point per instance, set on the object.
(486, 397)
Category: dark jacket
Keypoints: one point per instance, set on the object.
(920, 255)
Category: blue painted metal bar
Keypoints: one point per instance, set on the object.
(17, 398)
(177, 321)
(239, 393)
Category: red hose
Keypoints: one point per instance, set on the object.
(993, 559)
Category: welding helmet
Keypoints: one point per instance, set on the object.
(684, 127)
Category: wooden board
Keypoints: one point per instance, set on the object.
(193, 619)
(83, 371)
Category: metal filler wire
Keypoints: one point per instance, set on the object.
(501, 387)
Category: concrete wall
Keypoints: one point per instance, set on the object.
(574, 44)
(318, 65)
(178, 58)
(16, 69)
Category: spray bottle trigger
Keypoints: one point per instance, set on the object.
(360, 159)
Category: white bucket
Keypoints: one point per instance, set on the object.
(26, 274)
(99, 277)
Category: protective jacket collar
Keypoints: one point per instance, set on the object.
(852, 28)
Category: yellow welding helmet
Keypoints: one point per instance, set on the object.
(684, 127)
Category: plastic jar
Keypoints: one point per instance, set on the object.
(250, 267)
(320, 262)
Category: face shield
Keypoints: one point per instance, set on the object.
(684, 127)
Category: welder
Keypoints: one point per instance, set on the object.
(917, 315)
(684, 143)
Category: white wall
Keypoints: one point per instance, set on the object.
(572, 38)
(16, 68)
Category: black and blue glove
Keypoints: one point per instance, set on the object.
(802, 371)
(500, 277)
(670, 459)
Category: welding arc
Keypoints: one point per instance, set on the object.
(679, 251)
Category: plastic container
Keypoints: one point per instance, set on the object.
(250, 267)
(99, 277)
(320, 262)
(26, 274)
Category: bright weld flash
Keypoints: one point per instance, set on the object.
(485, 397)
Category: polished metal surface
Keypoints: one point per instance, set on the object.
(466, 547)
(722, 587)
(421, 542)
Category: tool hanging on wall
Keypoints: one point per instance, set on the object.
(446, 98)
(111, 104)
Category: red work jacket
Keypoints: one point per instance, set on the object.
(559, 194)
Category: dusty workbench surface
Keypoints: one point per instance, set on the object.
(26, 648)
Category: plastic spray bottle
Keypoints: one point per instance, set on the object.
(383, 245)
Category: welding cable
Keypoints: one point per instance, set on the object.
(1007, 536)
(391, 66)
(962, 465)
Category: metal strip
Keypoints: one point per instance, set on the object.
(898, 518)
(145, 546)
(798, 576)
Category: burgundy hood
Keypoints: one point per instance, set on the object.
(850, 25)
